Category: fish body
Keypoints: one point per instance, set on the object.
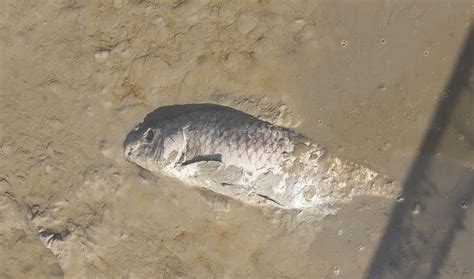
(238, 155)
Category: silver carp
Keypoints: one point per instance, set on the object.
(235, 154)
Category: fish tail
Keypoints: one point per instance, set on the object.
(346, 179)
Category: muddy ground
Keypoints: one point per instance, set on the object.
(368, 80)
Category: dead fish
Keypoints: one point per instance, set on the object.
(235, 154)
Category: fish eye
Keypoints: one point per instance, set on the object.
(149, 135)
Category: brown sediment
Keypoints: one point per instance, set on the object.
(76, 76)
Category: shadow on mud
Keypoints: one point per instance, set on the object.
(438, 189)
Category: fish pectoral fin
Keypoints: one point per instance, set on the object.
(217, 172)
(203, 158)
(270, 199)
(202, 168)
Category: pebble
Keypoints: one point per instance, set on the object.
(381, 87)
(298, 25)
(400, 199)
(102, 55)
(416, 209)
(88, 110)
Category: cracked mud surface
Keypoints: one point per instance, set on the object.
(362, 80)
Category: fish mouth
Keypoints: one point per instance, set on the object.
(127, 150)
(132, 137)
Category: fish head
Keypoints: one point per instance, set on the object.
(155, 146)
(142, 145)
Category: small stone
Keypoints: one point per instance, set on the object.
(400, 199)
(298, 24)
(361, 248)
(102, 55)
(336, 270)
(340, 232)
(88, 110)
(464, 204)
(416, 209)
(344, 43)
